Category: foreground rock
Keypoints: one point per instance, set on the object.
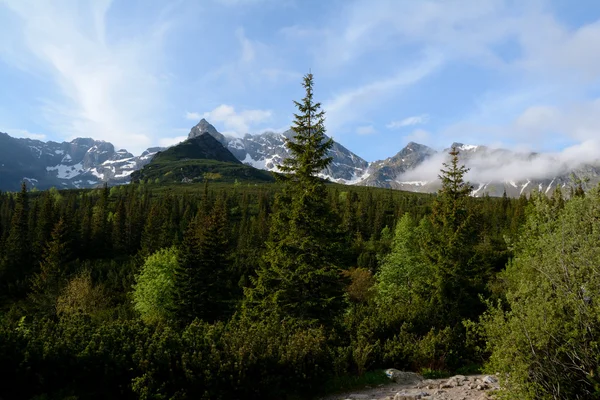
(411, 386)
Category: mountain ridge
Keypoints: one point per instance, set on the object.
(85, 162)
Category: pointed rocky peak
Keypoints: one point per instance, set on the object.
(413, 149)
(411, 155)
(203, 146)
(418, 148)
(205, 127)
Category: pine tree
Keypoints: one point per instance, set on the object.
(119, 232)
(47, 284)
(299, 277)
(151, 239)
(457, 280)
(202, 279)
(100, 231)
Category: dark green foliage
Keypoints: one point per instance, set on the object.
(16, 262)
(201, 147)
(459, 277)
(202, 278)
(230, 285)
(130, 360)
(99, 349)
(194, 171)
(47, 284)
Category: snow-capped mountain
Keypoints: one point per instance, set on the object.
(84, 163)
(268, 150)
(81, 163)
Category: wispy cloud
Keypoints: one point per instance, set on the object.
(170, 141)
(237, 123)
(351, 105)
(459, 28)
(194, 116)
(21, 133)
(107, 89)
(366, 130)
(252, 64)
(409, 121)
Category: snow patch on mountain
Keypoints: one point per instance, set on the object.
(66, 171)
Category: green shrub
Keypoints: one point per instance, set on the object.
(544, 340)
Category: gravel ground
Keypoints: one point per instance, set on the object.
(459, 387)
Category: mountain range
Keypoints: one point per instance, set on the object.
(84, 163)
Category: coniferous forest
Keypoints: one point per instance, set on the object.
(276, 290)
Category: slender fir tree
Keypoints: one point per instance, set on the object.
(457, 280)
(299, 277)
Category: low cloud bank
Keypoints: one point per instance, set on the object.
(505, 165)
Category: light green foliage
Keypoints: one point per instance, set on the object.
(81, 297)
(153, 292)
(545, 342)
(404, 268)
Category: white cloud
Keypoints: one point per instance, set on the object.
(366, 130)
(458, 28)
(108, 90)
(498, 166)
(248, 48)
(22, 133)
(194, 116)
(171, 141)
(409, 121)
(574, 126)
(237, 123)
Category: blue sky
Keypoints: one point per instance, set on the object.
(138, 73)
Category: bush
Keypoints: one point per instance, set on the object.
(544, 340)
(133, 360)
(154, 288)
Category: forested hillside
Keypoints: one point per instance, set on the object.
(276, 290)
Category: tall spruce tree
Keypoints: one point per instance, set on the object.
(299, 277)
(457, 278)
